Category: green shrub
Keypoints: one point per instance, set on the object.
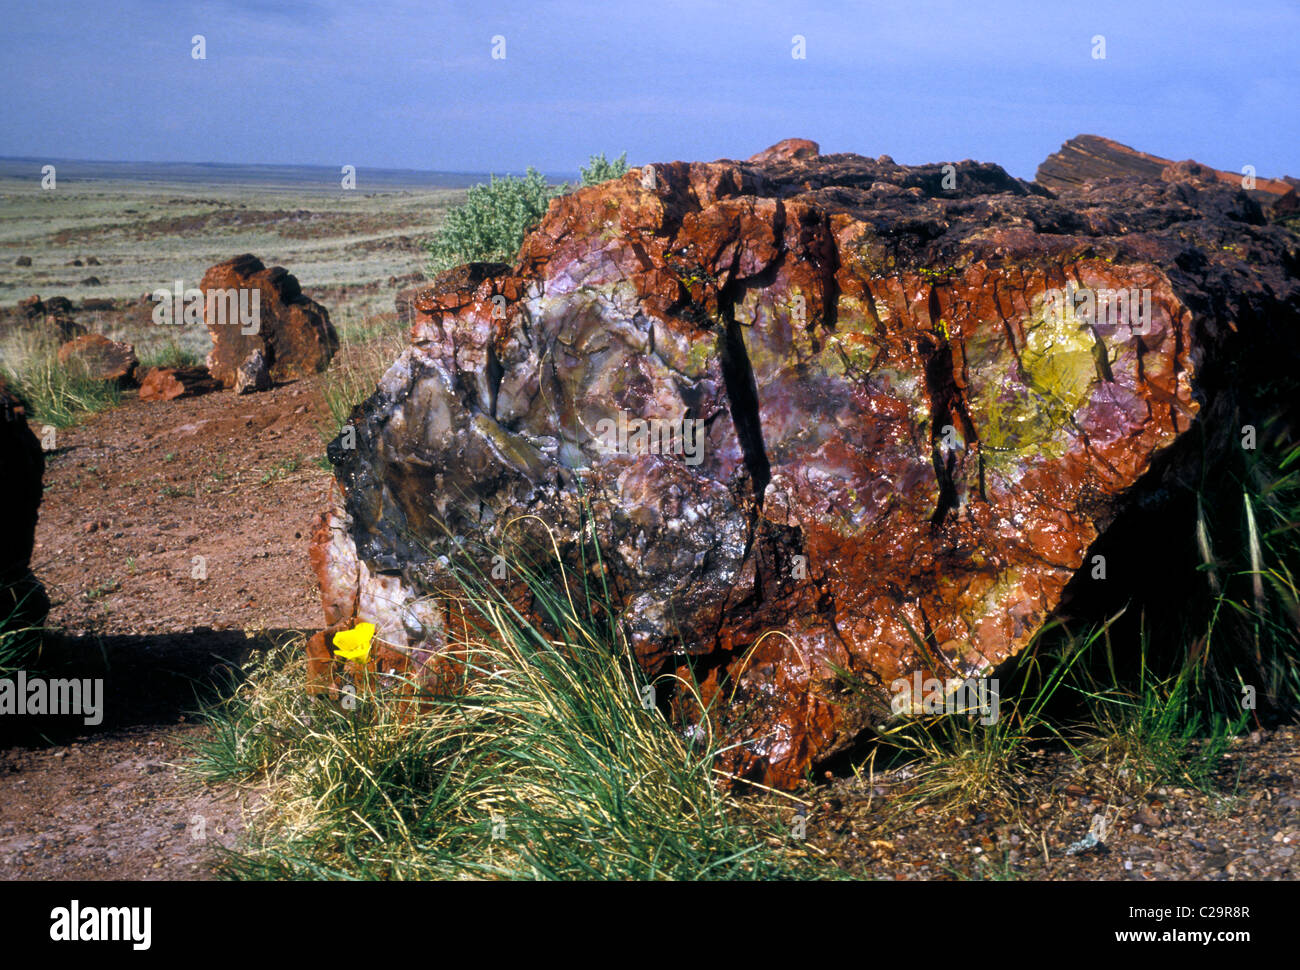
(600, 170)
(491, 225)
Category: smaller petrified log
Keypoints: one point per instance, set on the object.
(170, 383)
(102, 359)
(248, 308)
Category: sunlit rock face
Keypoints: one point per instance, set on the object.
(909, 401)
(250, 309)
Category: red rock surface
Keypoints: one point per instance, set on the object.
(1089, 158)
(907, 456)
(788, 150)
(169, 383)
(293, 332)
(101, 358)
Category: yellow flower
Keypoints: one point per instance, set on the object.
(354, 644)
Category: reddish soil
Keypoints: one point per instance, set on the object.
(132, 497)
(135, 494)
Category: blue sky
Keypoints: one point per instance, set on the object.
(406, 85)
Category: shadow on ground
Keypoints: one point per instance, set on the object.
(147, 680)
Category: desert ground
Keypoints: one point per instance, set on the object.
(134, 493)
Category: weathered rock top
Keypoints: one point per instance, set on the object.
(1086, 159)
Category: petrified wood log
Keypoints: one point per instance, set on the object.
(922, 397)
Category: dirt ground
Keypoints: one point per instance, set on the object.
(137, 499)
(1247, 827)
(160, 517)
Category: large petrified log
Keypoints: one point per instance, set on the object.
(920, 401)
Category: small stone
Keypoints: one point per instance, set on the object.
(169, 383)
(1148, 817)
(252, 375)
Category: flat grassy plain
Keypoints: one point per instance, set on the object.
(135, 229)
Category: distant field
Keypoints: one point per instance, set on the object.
(145, 233)
(149, 225)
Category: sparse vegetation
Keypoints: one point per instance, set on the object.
(101, 590)
(170, 354)
(547, 765)
(55, 394)
(598, 169)
(356, 370)
(281, 469)
(19, 641)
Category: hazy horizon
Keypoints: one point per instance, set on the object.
(328, 177)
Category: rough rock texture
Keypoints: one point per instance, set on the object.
(169, 383)
(906, 454)
(101, 358)
(1090, 158)
(404, 303)
(252, 375)
(293, 332)
(23, 464)
(788, 150)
